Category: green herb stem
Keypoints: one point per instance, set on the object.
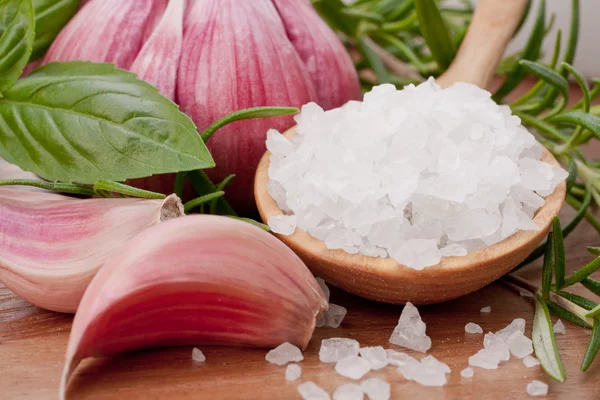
(115, 187)
(54, 187)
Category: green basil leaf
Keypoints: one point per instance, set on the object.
(17, 33)
(530, 52)
(435, 32)
(580, 118)
(83, 122)
(593, 347)
(544, 343)
(50, 17)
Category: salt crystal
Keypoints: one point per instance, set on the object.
(537, 388)
(335, 349)
(467, 372)
(283, 224)
(497, 345)
(484, 358)
(376, 356)
(520, 345)
(410, 331)
(376, 389)
(293, 372)
(429, 372)
(310, 391)
(530, 361)
(324, 288)
(559, 327)
(486, 309)
(353, 367)
(198, 356)
(284, 353)
(445, 171)
(473, 328)
(399, 359)
(334, 316)
(526, 293)
(517, 325)
(348, 391)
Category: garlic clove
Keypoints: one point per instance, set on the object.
(236, 55)
(104, 31)
(52, 245)
(329, 64)
(196, 280)
(158, 60)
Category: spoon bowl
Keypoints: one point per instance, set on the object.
(385, 280)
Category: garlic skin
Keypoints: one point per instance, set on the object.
(196, 280)
(330, 67)
(158, 60)
(51, 245)
(104, 31)
(236, 55)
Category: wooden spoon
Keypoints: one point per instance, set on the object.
(385, 279)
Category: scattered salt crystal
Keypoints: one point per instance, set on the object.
(517, 325)
(283, 224)
(398, 359)
(497, 345)
(410, 331)
(559, 327)
(376, 389)
(198, 356)
(520, 345)
(467, 372)
(292, 372)
(530, 361)
(486, 309)
(284, 353)
(348, 391)
(428, 372)
(376, 356)
(334, 316)
(442, 167)
(335, 349)
(484, 358)
(310, 391)
(537, 388)
(353, 367)
(473, 328)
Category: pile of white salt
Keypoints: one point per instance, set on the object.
(415, 174)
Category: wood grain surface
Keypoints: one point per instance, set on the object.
(33, 343)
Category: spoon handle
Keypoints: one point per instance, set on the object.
(493, 25)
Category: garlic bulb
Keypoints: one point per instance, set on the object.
(226, 55)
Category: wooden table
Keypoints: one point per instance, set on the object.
(33, 343)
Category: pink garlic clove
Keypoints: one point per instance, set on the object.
(329, 64)
(236, 55)
(196, 280)
(158, 60)
(104, 31)
(51, 245)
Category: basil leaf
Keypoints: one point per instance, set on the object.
(83, 122)
(17, 33)
(50, 17)
(544, 342)
(435, 32)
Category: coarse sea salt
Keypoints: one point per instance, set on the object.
(336, 349)
(486, 309)
(415, 174)
(311, 391)
(429, 372)
(334, 315)
(410, 331)
(353, 367)
(376, 356)
(198, 356)
(559, 327)
(348, 391)
(293, 372)
(473, 328)
(498, 347)
(376, 389)
(531, 361)
(537, 388)
(284, 353)
(467, 372)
